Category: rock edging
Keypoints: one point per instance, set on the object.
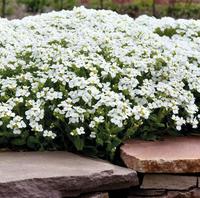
(59, 174)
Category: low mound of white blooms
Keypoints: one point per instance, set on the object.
(96, 78)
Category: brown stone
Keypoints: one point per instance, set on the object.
(147, 193)
(195, 193)
(58, 174)
(141, 196)
(179, 194)
(172, 155)
(95, 195)
(168, 182)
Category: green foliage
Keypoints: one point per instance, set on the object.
(34, 5)
(135, 8)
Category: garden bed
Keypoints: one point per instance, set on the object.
(88, 80)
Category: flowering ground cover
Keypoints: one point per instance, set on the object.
(88, 80)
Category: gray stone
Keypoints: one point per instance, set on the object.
(178, 194)
(141, 196)
(58, 174)
(172, 155)
(195, 193)
(147, 193)
(169, 182)
(95, 195)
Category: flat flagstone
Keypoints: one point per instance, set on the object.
(95, 195)
(58, 174)
(172, 155)
(193, 193)
(146, 193)
(168, 182)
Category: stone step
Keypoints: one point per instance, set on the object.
(172, 155)
(146, 193)
(58, 175)
(166, 186)
(192, 193)
(169, 182)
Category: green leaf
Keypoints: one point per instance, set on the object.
(33, 142)
(149, 136)
(116, 142)
(129, 132)
(99, 141)
(117, 129)
(18, 142)
(160, 125)
(78, 143)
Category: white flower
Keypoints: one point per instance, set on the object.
(17, 131)
(179, 122)
(93, 134)
(50, 134)
(141, 112)
(99, 119)
(92, 124)
(97, 68)
(80, 131)
(16, 123)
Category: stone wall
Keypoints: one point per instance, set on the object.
(167, 186)
(167, 169)
(60, 175)
(161, 169)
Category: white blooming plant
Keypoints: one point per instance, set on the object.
(90, 79)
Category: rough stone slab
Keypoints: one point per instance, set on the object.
(194, 193)
(173, 155)
(147, 193)
(138, 196)
(168, 182)
(58, 174)
(177, 194)
(95, 195)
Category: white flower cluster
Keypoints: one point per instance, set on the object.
(97, 70)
